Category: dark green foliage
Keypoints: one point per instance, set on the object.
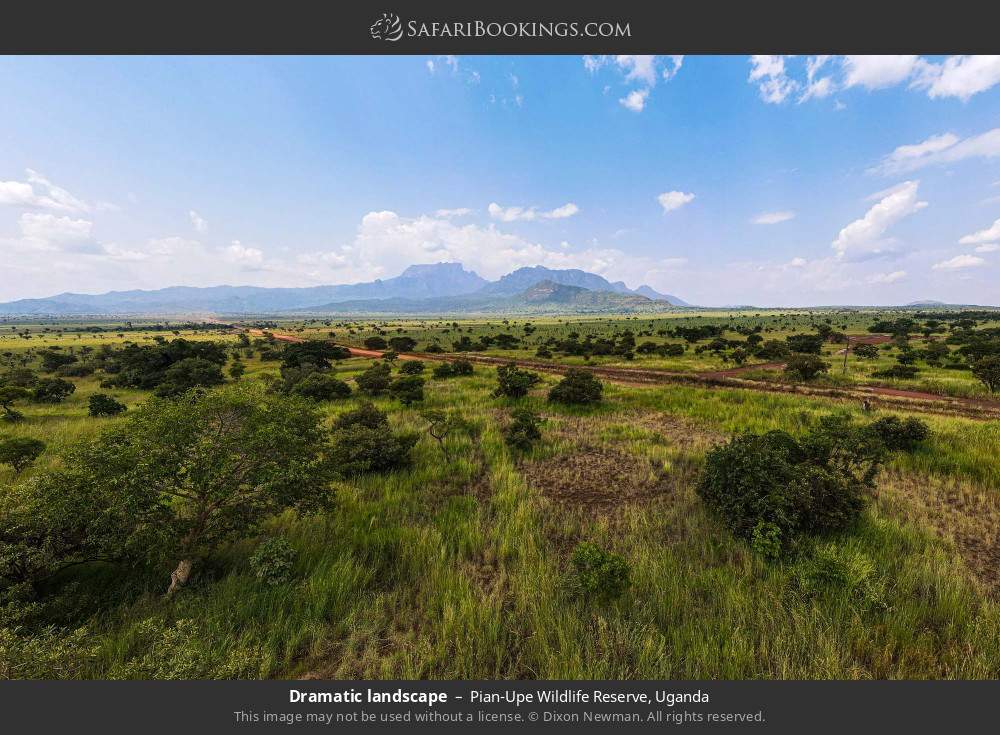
(273, 561)
(987, 369)
(52, 360)
(452, 369)
(318, 386)
(598, 575)
(866, 352)
(101, 404)
(512, 382)
(145, 366)
(191, 372)
(771, 489)
(407, 389)
(167, 483)
(362, 442)
(315, 353)
(579, 386)
(237, 369)
(52, 390)
(523, 430)
(20, 451)
(805, 367)
(9, 395)
(376, 343)
(402, 344)
(434, 349)
(810, 344)
(903, 372)
(375, 380)
(773, 349)
(900, 435)
(412, 367)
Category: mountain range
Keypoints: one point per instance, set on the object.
(428, 288)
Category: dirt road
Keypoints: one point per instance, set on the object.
(888, 397)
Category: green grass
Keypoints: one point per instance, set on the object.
(456, 569)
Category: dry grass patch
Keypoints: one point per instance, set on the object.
(963, 513)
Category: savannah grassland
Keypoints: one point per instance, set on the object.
(457, 567)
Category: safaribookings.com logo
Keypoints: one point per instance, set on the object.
(390, 28)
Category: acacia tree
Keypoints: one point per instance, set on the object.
(987, 369)
(201, 470)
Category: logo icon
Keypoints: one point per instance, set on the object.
(387, 28)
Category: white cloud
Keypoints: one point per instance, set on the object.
(959, 262)
(237, 253)
(47, 231)
(990, 234)
(772, 218)
(990, 247)
(458, 212)
(430, 65)
(887, 277)
(635, 100)
(198, 222)
(956, 76)
(514, 214)
(940, 149)
(959, 76)
(40, 193)
(768, 72)
(878, 72)
(863, 237)
(642, 71)
(671, 200)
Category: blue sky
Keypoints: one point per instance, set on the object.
(723, 180)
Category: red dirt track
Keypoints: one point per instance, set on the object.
(890, 397)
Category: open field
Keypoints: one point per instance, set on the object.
(459, 565)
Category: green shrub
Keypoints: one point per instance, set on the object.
(191, 372)
(412, 367)
(901, 372)
(598, 575)
(101, 404)
(362, 442)
(900, 435)
(512, 382)
(407, 389)
(771, 489)
(579, 386)
(20, 452)
(987, 369)
(273, 561)
(321, 387)
(375, 380)
(805, 366)
(50, 653)
(52, 390)
(523, 430)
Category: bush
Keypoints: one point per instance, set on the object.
(771, 489)
(191, 372)
(902, 372)
(433, 349)
(407, 389)
(773, 349)
(598, 575)
(513, 382)
(75, 370)
(272, 562)
(101, 404)
(866, 352)
(412, 367)
(361, 442)
(376, 343)
(987, 369)
(321, 387)
(577, 387)
(811, 344)
(52, 390)
(805, 367)
(375, 380)
(523, 430)
(48, 654)
(900, 435)
(20, 452)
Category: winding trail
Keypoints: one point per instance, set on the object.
(910, 400)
